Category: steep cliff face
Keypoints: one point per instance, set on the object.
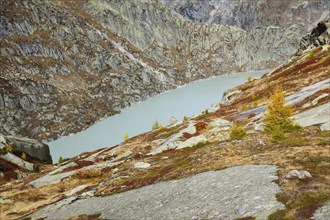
(274, 28)
(66, 64)
(59, 74)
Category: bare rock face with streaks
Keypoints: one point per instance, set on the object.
(64, 59)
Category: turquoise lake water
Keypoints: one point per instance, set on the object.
(187, 101)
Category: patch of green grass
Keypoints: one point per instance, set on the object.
(310, 56)
(237, 133)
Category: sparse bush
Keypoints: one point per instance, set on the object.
(185, 119)
(60, 160)
(255, 104)
(161, 127)
(155, 126)
(205, 112)
(310, 56)
(277, 117)
(9, 148)
(249, 79)
(23, 156)
(244, 107)
(237, 133)
(126, 138)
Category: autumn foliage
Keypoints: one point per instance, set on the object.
(278, 119)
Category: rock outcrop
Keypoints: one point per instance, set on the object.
(320, 35)
(31, 147)
(64, 59)
(273, 28)
(242, 191)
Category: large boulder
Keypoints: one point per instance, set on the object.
(32, 147)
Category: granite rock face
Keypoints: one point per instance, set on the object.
(31, 147)
(64, 59)
(231, 193)
(273, 28)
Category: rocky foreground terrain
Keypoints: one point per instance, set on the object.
(67, 64)
(196, 169)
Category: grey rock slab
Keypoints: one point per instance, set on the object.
(32, 147)
(56, 177)
(192, 142)
(259, 127)
(325, 126)
(225, 194)
(77, 189)
(308, 91)
(142, 165)
(315, 116)
(19, 162)
(50, 179)
(171, 142)
(222, 124)
(121, 156)
(291, 99)
(322, 213)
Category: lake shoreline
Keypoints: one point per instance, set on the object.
(63, 140)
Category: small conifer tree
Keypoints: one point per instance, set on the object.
(277, 117)
(126, 138)
(185, 119)
(155, 126)
(237, 133)
(60, 160)
(249, 79)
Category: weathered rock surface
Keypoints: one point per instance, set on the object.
(32, 147)
(19, 162)
(302, 174)
(275, 32)
(226, 194)
(142, 165)
(315, 116)
(325, 126)
(322, 213)
(64, 59)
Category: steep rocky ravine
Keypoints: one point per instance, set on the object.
(67, 64)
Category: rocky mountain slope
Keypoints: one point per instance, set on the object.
(273, 28)
(189, 168)
(67, 64)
